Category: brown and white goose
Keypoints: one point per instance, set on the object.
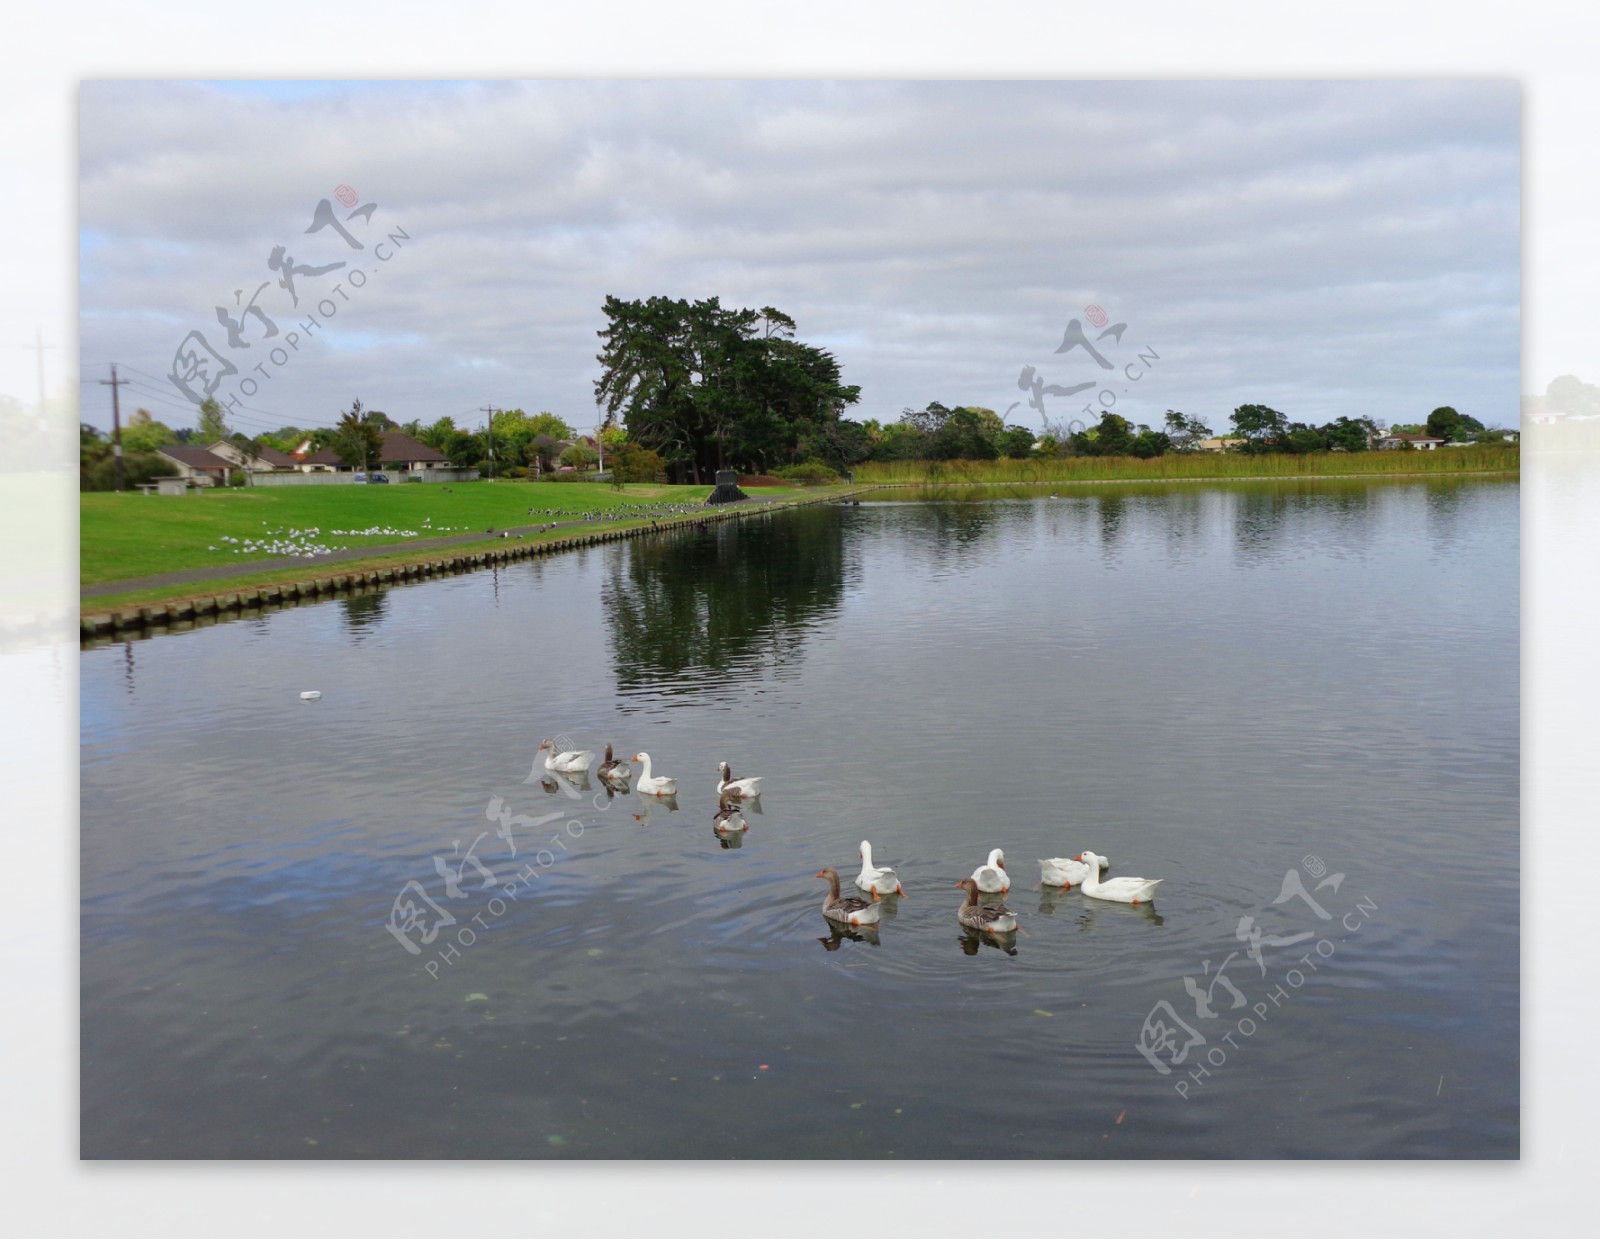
(728, 817)
(847, 910)
(613, 771)
(991, 918)
(729, 786)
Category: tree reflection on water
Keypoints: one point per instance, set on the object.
(703, 613)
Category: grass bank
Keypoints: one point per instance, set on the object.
(131, 535)
(1476, 459)
(157, 606)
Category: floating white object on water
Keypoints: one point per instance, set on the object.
(310, 695)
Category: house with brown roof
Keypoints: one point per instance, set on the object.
(267, 460)
(399, 451)
(199, 465)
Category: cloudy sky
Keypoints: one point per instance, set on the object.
(1325, 248)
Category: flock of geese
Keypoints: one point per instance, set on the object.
(984, 908)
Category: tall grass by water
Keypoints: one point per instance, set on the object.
(1480, 458)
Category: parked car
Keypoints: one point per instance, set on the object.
(359, 478)
(379, 478)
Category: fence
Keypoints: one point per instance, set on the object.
(325, 478)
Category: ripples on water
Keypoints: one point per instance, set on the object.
(1208, 684)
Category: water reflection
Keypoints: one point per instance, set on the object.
(1094, 910)
(363, 611)
(652, 807)
(838, 934)
(570, 784)
(972, 941)
(701, 614)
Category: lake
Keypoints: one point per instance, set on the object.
(362, 927)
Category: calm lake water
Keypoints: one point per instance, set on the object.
(1295, 702)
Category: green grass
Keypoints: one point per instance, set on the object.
(129, 535)
(1476, 459)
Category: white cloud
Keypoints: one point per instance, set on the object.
(1328, 247)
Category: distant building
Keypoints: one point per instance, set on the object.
(1423, 443)
(266, 461)
(197, 464)
(399, 451)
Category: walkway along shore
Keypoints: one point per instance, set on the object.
(313, 582)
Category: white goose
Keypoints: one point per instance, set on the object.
(750, 787)
(1066, 871)
(991, 876)
(569, 760)
(879, 880)
(653, 785)
(1121, 890)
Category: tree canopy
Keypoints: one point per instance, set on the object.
(1445, 423)
(359, 437)
(708, 387)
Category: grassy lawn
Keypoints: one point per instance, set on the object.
(130, 535)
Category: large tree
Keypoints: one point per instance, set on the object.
(1445, 423)
(1185, 433)
(1262, 428)
(708, 387)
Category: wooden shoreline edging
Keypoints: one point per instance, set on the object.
(201, 610)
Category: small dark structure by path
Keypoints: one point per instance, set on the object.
(727, 491)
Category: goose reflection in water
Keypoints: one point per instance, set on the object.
(837, 934)
(973, 940)
(562, 783)
(614, 787)
(1093, 910)
(728, 839)
(650, 806)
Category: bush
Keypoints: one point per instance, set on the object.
(631, 463)
(808, 473)
(138, 467)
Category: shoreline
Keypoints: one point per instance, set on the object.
(170, 602)
(1208, 478)
(127, 608)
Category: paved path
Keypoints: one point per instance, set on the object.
(194, 576)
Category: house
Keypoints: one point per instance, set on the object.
(399, 451)
(268, 460)
(1423, 443)
(1220, 444)
(197, 464)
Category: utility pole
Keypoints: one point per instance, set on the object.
(489, 434)
(39, 346)
(116, 422)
